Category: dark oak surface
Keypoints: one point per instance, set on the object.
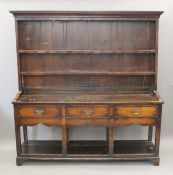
(87, 68)
(90, 97)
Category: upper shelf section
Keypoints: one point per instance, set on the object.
(52, 46)
(98, 14)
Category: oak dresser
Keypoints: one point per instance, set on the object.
(87, 68)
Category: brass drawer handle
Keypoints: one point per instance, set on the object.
(39, 112)
(136, 111)
(87, 112)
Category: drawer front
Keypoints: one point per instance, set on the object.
(38, 111)
(100, 111)
(136, 111)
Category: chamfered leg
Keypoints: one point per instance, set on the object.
(107, 134)
(111, 141)
(64, 140)
(18, 144)
(157, 140)
(25, 133)
(157, 136)
(150, 133)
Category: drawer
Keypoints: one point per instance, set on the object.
(135, 111)
(38, 111)
(87, 111)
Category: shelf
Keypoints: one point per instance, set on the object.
(83, 147)
(86, 73)
(88, 51)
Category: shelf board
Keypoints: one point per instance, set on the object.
(86, 73)
(87, 51)
(99, 147)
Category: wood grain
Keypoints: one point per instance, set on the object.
(136, 111)
(88, 111)
(36, 111)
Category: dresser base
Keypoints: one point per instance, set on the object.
(124, 150)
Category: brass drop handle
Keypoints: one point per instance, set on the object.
(39, 112)
(87, 112)
(135, 111)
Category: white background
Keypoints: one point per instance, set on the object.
(9, 87)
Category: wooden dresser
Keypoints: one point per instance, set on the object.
(87, 68)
